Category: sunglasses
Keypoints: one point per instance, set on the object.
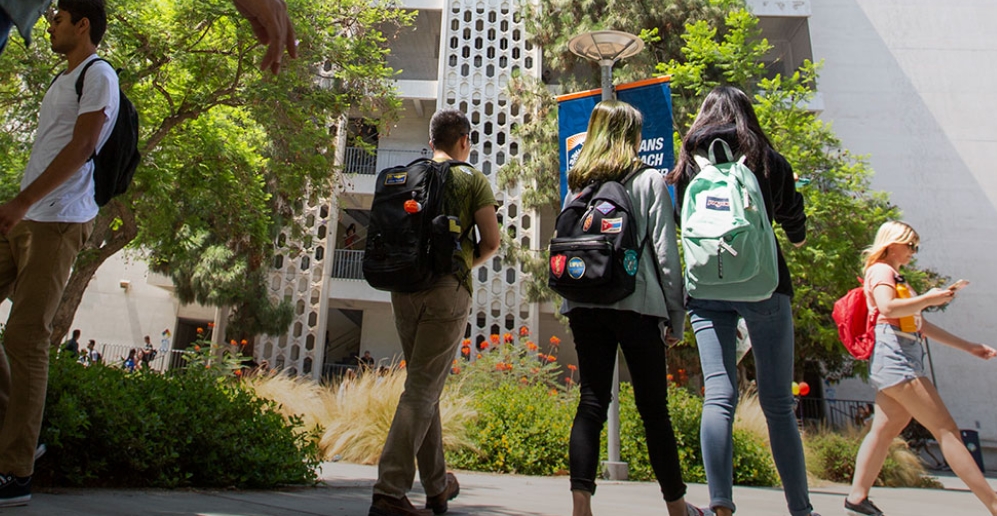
(913, 247)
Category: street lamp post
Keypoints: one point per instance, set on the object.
(606, 47)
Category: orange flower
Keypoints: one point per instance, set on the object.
(465, 351)
(479, 355)
(524, 331)
(507, 338)
(552, 392)
(568, 380)
(200, 330)
(455, 370)
(237, 372)
(524, 380)
(484, 344)
(572, 367)
(534, 370)
(244, 342)
(494, 338)
(551, 358)
(554, 341)
(233, 342)
(530, 345)
(401, 365)
(197, 348)
(466, 343)
(670, 377)
(455, 361)
(211, 325)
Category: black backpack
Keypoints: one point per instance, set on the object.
(411, 239)
(114, 166)
(595, 252)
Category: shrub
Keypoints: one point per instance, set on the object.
(520, 428)
(106, 427)
(752, 460)
(831, 456)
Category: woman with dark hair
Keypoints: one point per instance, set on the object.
(642, 324)
(727, 115)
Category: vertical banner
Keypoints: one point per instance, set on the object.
(573, 111)
(652, 97)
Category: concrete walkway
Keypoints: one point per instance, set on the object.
(346, 490)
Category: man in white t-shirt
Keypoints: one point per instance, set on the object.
(44, 227)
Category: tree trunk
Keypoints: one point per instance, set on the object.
(114, 228)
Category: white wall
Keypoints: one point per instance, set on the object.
(909, 82)
(110, 314)
(379, 335)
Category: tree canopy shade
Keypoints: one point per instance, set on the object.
(703, 44)
(228, 151)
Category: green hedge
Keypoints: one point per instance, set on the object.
(106, 427)
(525, 428)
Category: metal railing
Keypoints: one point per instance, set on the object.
(837, 414)
(359, 161)
(114, 355)
(347, 264)
(337, 371)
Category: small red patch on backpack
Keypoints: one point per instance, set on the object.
(557, 263)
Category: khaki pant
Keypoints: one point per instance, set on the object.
(430, 324)
(35, 260)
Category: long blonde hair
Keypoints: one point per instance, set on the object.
(611, 143)
(891, 232)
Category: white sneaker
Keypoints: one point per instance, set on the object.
(692, 510)
(39, 451)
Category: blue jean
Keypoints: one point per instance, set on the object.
(770, 326)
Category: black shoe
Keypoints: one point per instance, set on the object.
(863, 508)
(438, 503)
(14, 491)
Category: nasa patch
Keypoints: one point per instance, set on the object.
(576, 268)
(395, 178)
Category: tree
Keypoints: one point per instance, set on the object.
(721, 44)
(228, 152)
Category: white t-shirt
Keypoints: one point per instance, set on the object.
(72, 201)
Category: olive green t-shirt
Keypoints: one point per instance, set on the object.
(467, 191)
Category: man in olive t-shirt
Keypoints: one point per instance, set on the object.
(430, 324)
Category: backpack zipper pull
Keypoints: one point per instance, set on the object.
(720, 261)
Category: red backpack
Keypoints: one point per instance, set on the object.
(856, 325)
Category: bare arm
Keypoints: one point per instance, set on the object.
(973, 348)
(487, 223)
(86, 132)
(892, 306)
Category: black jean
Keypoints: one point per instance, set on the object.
(597, 333)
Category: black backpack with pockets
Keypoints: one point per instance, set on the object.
(411, 239)
(595, 251)
(114, 166)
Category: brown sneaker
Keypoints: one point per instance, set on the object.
(438, 503)
(384, 505)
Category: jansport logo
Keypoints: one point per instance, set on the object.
(717, 203)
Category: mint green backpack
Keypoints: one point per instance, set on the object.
(727, 238)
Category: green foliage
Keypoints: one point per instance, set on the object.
(230, 154)
(831, 456)
(520, 428)
(753, 464)
(106, 427)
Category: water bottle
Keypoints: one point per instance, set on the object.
(907, 323)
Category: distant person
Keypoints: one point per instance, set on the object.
(93, 356)
(864, 414)
(351, 236)
(366, 361)
(148, 354)
(268, 18)
(430, 324)
(72, 346)
(642, 324)
(896, 369)
(131, 361)
(727, 115)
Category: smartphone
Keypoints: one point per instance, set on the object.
(958, 285)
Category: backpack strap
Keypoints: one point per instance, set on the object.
(83, 74)
(711, 159)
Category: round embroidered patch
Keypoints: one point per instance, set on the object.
(576, 267)
(630, 261)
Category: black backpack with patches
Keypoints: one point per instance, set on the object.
(411, 240)
(114, 166)
(595, 252)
